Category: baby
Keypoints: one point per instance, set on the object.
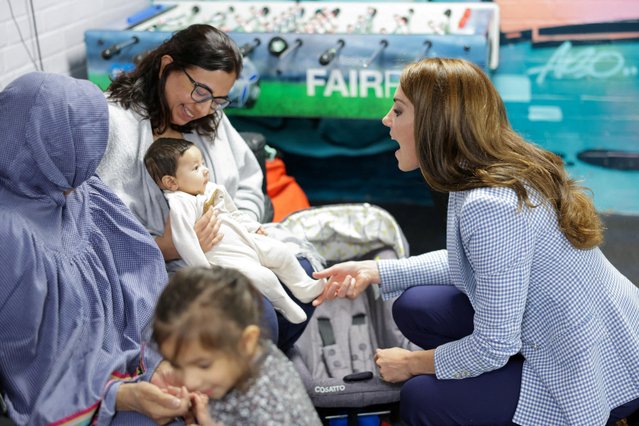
(207, 325)
(177, 166)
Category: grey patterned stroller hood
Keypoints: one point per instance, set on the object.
(334, 356)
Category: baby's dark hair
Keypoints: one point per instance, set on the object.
(212, 306)
(162, 157)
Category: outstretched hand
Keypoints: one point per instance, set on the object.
(348, 279)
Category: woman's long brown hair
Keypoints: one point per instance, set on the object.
(464, 141)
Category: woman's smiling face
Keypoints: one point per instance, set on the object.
(178, 89)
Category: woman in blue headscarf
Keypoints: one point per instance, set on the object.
(79, 277)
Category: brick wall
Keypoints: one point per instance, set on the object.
(60, 26)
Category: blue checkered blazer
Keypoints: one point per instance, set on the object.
(572, 315)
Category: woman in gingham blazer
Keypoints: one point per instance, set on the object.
(522, 318)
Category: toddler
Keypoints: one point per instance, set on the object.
(177, 166)
(206, 325)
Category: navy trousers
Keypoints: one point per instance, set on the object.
(432, 315)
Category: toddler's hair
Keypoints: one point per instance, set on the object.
(212, 306)
(162, 157)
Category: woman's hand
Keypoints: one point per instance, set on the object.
(393, 364)
(207, 229)
(348, 279)
(161, 405)
(164, 376)
(398, 365)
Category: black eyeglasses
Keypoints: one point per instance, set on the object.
(202, 93)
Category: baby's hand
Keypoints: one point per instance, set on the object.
(261, 231)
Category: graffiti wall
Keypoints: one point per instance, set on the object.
(569, 75)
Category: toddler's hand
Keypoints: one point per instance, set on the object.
(199, 414)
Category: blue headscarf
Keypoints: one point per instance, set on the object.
(79, 276)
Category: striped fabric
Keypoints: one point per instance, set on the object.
(572, 315)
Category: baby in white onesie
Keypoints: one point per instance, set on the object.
(177, 166)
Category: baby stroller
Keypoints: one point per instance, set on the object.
(334, 356)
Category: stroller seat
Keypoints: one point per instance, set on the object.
(334, 355)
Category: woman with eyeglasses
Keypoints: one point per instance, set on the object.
(179, 90)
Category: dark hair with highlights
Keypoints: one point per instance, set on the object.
(142, 89)
(464, 140)
(212, 306)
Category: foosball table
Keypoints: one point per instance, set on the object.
(309, 58)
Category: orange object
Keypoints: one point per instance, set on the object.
(464, 18)
(286, 194)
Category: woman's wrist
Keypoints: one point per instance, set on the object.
(167, 248)
(421, 362)
(124, 398)
(373, 268)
